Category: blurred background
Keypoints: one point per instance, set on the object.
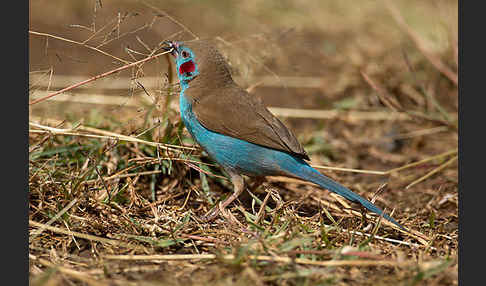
(325, 43)
(363, 84)
(293, 54)
(377, 56)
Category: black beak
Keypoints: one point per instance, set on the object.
(167, 46)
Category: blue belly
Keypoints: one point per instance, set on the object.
(238, 155)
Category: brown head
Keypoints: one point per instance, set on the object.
(200, 64)
(222, 106)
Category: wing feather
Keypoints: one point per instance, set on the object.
(234, 112)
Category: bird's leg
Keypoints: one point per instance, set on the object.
(238, 186)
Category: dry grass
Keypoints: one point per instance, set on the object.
(116, 189)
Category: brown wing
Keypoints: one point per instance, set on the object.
(232, 111)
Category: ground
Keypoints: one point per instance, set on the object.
(116, 184)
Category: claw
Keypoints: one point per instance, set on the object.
(211, 215)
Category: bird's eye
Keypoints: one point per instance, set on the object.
(184, 54)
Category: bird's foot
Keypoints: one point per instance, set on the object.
(228, 216)
(211, 215)
(220, 210)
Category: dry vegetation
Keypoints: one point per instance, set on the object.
(116, 185)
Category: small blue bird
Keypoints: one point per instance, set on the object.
(237, 130)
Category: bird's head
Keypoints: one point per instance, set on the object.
(198, 59)
(185, 59)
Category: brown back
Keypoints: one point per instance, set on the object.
(222, 106)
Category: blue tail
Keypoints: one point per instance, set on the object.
(250, 159)
(308, 173)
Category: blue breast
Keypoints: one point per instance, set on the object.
(236, 154)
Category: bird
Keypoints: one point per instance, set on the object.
(236, 129)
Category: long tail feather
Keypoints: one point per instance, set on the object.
(310, 174)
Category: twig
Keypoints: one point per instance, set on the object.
(445, 154)
(97, 77)
(70, 272)
(165, 14)
(438, 169)
(58, 215)
(350, 170)
(109, 135)
(388, 239)
(419, 43)
(206, 239)
(384, 98)
(99, 175)
(427, 94)
(104, 43)
(421, 132)
(344, 115)
(78, 43)
(191, 165)
(97, 32)
(262, 207)
(282, 259)
(85, 236)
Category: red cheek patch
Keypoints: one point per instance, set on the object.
(187, 67)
